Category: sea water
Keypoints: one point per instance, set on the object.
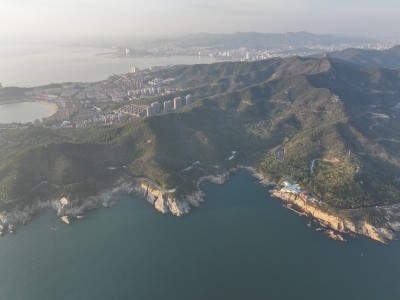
(34, 65)
(23, 112)
(240, 244)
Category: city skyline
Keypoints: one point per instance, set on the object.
(122, 18)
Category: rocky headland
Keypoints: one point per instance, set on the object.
(333, 221)
(343, 222)
(163, 201)
(66, 209)
(169, 202)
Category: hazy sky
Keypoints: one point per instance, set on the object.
(77, 18)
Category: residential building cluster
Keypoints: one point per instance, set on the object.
(169, 105)
(245, 53)
(133, 110)
(81, 104)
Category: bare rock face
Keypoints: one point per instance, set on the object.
(62, 203)
(178, 208)
(380, 234)
(161, 205)
(151, 199)
(164, 202)
(65, 219)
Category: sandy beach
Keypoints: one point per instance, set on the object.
(53, 107)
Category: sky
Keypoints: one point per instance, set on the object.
(122, 18)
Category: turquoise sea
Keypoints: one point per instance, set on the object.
(240, 244)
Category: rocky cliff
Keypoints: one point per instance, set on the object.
(66, 209)
(336, 220)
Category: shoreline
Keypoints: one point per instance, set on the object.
(52, 106)
(332, 223)
(335, 223)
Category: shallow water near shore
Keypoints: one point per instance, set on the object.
(240, 244)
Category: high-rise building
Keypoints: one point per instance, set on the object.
(167, 106)
(177, 103)
(150, 111)
(133, 69)
(188, 99)
(156, 107)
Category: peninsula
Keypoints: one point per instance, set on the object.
(329, 126)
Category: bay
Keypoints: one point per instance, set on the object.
(34, 65)
(24, 112)
(240, 244)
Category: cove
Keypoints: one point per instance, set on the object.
(240, 244)
(24, 112)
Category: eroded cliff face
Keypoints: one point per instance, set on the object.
(335, 221)
(163, 202)
(69, 209)
(166, 202)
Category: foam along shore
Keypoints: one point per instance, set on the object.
(167, 202)
(66, 209)
(69, 209)
(338, 222)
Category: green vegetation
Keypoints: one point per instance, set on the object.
(12, 94)
(389, 58)
(308, 110)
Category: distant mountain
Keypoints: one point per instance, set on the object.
(389, 58)
(256, 40)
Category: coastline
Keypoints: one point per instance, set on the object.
(179, 206)
(333, 223)
(52, 106)
(65, 209)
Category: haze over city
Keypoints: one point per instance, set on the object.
(117, 18)
(199, 149)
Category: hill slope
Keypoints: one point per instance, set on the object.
(389, 58)
(335, 125)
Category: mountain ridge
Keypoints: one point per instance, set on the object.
(389, 58)
(334, 122)
(259, 40)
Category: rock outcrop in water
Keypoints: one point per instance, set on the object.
(168, 202)
(336, 221)
(162, 201)
(65, 209)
